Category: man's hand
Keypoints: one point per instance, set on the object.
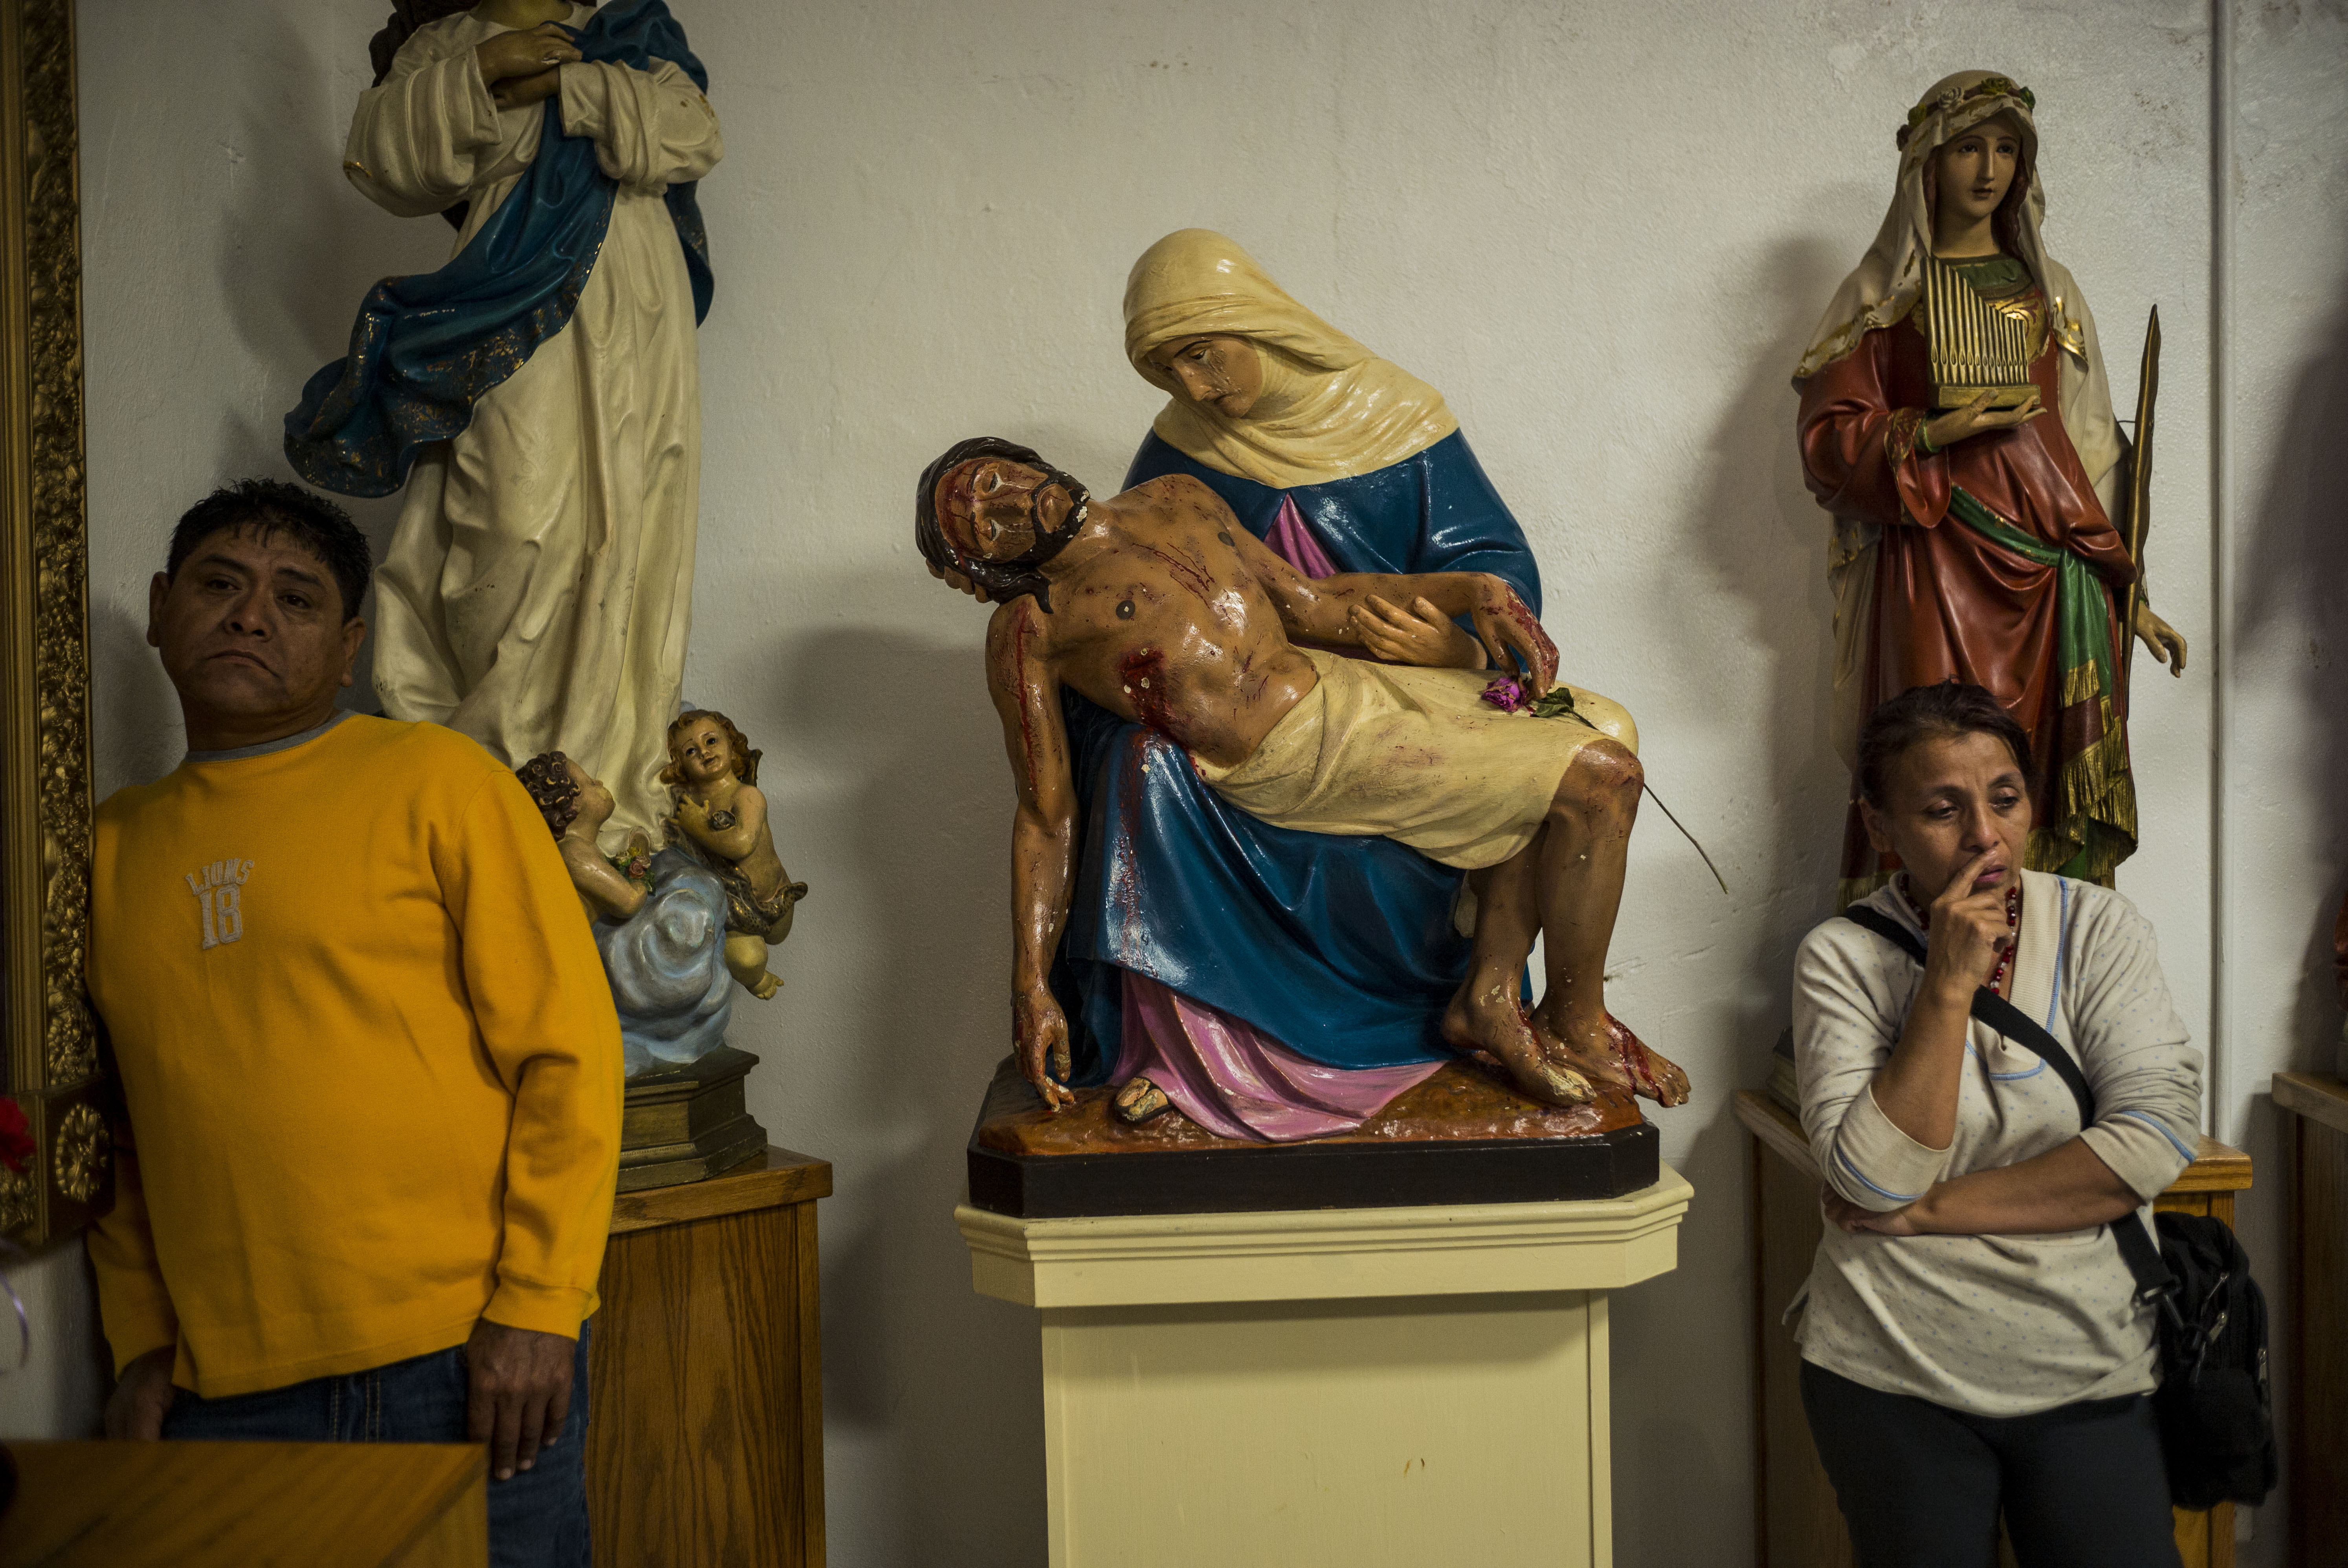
(1978, 418)
(142, 1398)
(1507, 629)
(518, 1392)
(1421, 634)
(1039, 1032)
(2167, 643)
(525, 54)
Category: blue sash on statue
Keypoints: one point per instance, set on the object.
(429, 345)
(1340, 948)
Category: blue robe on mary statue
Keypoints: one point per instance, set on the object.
(1343, 950)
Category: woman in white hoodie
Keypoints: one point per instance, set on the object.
(1970, 1341)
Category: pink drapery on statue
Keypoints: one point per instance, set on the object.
(1238, 1082)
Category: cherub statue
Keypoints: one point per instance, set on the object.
(575, 805)
(1159, 607)
(714, 771)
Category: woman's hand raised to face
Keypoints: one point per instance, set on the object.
(1969, 931)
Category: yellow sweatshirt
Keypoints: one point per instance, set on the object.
(370, 1059)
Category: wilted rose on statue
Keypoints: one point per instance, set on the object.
(1505, 694)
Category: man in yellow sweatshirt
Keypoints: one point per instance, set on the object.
(369, 1057)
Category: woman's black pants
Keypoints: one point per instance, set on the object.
(1921, 1485)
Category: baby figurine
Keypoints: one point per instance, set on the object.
(720, 811)
(575, 807)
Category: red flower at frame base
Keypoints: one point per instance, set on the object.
(15, 1137)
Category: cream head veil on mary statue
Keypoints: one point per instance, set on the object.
(1330, 408)
(1890, 277)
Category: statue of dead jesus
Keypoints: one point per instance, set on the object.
(1159, 606)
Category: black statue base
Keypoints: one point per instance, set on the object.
(687, 1123)
(1463, 1136)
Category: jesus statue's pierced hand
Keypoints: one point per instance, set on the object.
(1422, 634)
(1039, 1033)
(1508, 632)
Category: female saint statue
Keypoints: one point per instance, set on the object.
(539, 397)
(1317, 969)
(1956, 422)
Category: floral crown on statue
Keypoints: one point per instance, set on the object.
(1950, 101)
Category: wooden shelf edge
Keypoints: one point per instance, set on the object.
(1775, 1125)
(2318, 1096)
(765, 1180)
(2216, 1168)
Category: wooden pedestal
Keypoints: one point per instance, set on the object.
(2315, 1404)
(1796, 1524)
(705, 1447)
(687, 1123)
(232, 1506)
(1379, 1387)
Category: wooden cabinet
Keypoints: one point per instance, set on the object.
(705, 1374)
(1796, 1521)
(2315, 1401)
(232, 1506)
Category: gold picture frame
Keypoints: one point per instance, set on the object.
(50, 1054)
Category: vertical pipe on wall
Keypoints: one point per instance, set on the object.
(2222, 577)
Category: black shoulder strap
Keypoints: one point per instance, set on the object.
(1885, 927)
(2137, 1250)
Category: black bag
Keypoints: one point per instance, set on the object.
(2215, 1405)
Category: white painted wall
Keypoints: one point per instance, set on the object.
(2283, 817)
(1605, 230)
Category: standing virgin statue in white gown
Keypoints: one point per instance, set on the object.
(540, 395)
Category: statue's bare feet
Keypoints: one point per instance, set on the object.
(1139, 1101)
(1652, 1074)
(1501, 1025)
(1588, 1052)
(765, 985)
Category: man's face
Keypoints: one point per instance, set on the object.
(252, 629)
(989, 508)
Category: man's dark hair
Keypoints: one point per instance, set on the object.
(1931, 712)
(323, 529)
(1003, 581)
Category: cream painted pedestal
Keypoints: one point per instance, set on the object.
(1355, 1387)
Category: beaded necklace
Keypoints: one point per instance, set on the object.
(1996, 981)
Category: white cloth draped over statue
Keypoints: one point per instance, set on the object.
(538, 592)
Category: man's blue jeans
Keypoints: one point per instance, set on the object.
(537, 1519)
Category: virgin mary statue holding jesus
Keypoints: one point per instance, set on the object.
(1312, 972)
